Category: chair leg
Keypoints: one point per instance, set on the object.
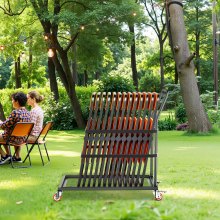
(45, 147)
(28, 154)
(40, 154)
(11, 161)
(29, 151)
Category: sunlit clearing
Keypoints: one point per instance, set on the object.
(2, 202)
(186, 148)
(13, 184)
(64, 153)
(216, 171)
(193, 193)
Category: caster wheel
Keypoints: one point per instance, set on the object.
(57, 197)
(158, 196)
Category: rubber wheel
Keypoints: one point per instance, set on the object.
(159, 198)
(56, 197)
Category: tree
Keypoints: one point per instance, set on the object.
(60, 16)
(197, 117)
(198, 17)
(156, 13)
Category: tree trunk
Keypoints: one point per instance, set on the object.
(2, 115)
(69, 84)
(74, 64)
(17, 73)
(161, 65)
(85, 77)
(52, 78)
(133, 59)
(197, 117)
(97, 75)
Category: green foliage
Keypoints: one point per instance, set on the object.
(60, 113)
(167, 124)
(114, 82)
(180, 113)
(4, 71)
(150, 82)
(214, 117)
(34, 76)
(207, 99)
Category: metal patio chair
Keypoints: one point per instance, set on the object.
(20, 129)
(41, 140)
(120, 144)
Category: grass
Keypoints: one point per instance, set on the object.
(188, 170)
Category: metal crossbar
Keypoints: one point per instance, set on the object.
(120, 138)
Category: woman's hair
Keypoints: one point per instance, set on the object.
(36, 95)
(20, 97)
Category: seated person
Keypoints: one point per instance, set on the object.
(37, 114)
(19, 114)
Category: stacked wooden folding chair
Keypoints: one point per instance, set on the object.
(120, 144)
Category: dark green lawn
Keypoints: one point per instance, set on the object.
(189, 171)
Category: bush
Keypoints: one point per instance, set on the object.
(60, 113)
(167, 124)
(115, 82)
(150, 83)
(214, 116)
(180, 113)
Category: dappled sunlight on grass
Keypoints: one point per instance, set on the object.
(193, 193)
(13, 184)
(2, 202)
(186, 148)
(216, 172)
(63, 153)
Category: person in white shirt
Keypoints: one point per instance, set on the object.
(37, 114)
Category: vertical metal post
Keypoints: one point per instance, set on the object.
(215, 54)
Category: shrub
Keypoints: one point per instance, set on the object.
(150, 83)
(167, 124)
(115, 82)
(60, 113)
(180, 113)
(214, 116)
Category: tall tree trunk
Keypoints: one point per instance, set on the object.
(197, 47)
(18, 73)
(69, 84)
(197, 117)
(133, 59)
(2, 115)
(97, 74)
(85, 77)
(176, 78)
(161, 65)
(74, 64)
(52, 78)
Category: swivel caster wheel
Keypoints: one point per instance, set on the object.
(57, 196)
(158, 196)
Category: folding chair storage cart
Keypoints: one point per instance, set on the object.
(120, 144)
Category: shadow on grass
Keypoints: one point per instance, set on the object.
(109, 195)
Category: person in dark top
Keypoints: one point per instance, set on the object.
(19, 114)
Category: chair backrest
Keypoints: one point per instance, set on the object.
(22, 129)
(45, 129)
